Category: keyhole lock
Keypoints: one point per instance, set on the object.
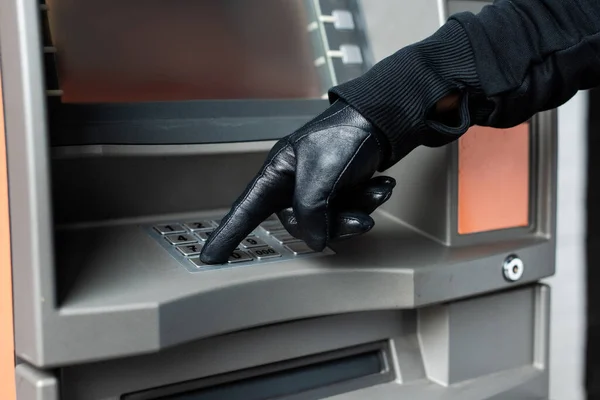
(513, 268)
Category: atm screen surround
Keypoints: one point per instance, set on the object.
(196, 72)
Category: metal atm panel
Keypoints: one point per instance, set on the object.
(95, 291)
(382, 354)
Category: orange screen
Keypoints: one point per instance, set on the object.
(493, 179)
(159, 50)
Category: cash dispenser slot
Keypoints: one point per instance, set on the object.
(353, 368)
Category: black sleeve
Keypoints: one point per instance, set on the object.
(513, 59)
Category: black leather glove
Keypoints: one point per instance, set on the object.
(319, 181)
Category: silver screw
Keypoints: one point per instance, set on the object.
(513, 268)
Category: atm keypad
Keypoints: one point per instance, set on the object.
(269, 243)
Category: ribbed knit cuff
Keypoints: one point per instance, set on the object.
(398, 93)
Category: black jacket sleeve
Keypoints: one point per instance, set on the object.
(513, 59)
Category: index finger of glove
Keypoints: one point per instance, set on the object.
(270, 191)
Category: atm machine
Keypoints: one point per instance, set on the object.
(130, 129)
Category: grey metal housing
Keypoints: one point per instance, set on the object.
(94, 293)
(439, 352)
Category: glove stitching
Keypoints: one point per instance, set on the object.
(336, 126)
(378, 145)
(336, 183)
(321, 120)
(327, 117)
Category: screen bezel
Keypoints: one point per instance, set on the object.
(182, 122)
(189, 122)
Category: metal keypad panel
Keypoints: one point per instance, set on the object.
(269, 243)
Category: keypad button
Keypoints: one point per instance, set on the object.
(181, 238)
(196, 261)
(284, 238)
(190, 249)
(251, 242)
(199, 225)
(168, 229)
(263, 253)
(204, 235)
(299, 248)
(281, 234)
(239, 256)
(275, 230)
(271, 228)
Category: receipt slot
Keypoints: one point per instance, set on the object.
(130, 129)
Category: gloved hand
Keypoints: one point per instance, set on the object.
(318, 181)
